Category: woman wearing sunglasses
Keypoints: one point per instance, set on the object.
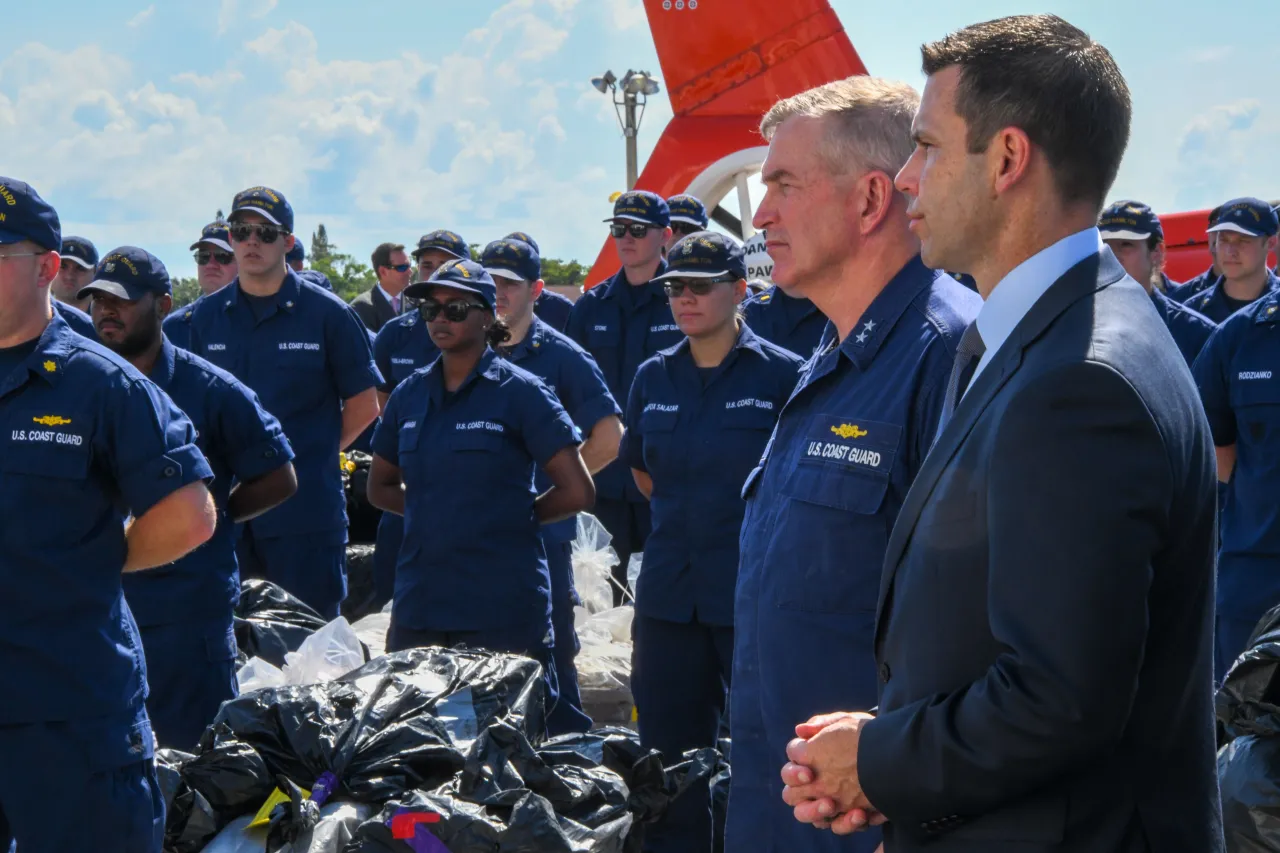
(698, 418)
(455, 454)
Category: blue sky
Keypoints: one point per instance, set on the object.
(388, 119)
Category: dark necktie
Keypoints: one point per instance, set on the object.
(968, 356)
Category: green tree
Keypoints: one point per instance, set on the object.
(558, 272)
(185, 291)
(349, 277)
(321, 248)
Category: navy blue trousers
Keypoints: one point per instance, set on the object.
(311, 567)
(191, 671)
(385, 553)
(86, 785)
(680, 679)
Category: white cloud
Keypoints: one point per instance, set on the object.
(627, 14)
(1218, 154)
(142, 17)
(207, 83)
(229, 11)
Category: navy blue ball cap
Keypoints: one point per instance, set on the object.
(1251, 216)
(78, 250)
(297, 253)
(24, 215)
(215, 234)
(687, 209)
(266, 202)
(1129, 220)
(512, 259)
(705, 254)
(443, 241)
(524, 238)
(467, 276)
(640, 206)
(129, 273)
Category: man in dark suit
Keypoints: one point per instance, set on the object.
(1044, 631)
(380, 304)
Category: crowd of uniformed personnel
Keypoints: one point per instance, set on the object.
(756, 448)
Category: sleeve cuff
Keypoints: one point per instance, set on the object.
(552, 440)
(354, 380)
(592, 412)
(146, 486)
(262, 458)
(386, 441)
(632, 451)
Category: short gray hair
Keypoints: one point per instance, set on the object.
(868, 121)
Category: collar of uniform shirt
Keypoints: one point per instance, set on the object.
(485, 367)
(532, 338)
(286, 296)
(162, 371)
(1018, 291)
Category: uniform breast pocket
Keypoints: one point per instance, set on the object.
(832, 534)
(304, 375)
(657, 430)
(479, 453)
(1257, 405)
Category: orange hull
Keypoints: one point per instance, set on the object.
(726, 62)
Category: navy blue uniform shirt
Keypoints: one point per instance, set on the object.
(177, 326)
(820, 506)
(698, 442)
(1238, 373)
(472, 556)
(242, 442)
(1189, 328)
(792, 323)
(1199, 284)
(308, 353)
(80, 322)
(1214, 303)
(553, 309)
(88, 441)
(402, 346)
(622, 326)
(573, 376)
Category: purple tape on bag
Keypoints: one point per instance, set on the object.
(324, 788)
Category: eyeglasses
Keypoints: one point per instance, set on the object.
(23, 255)
(454, 312)
(686, 228)
(635, 229)
(400, 267)
(697, 286)
(242, 231)
(203, 257)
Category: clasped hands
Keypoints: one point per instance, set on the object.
(821, 775)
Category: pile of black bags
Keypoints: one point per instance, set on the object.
(451, 736)
(270, 622)
(1248, 711)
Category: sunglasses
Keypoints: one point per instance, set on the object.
(242, 231)
(205, 255)
(697, 286)
(454, 312)
(685, 228)
(399, 267)
(635, 229)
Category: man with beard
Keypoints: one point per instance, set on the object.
(184, 609)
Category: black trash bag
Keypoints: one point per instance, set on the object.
(270, 622)
(513, 798)
(217, 786)
(1249, 779)
(1248, 703)
(169, 764)
(400, 722)
(362, 593)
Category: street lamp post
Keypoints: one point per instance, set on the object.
(629, 95)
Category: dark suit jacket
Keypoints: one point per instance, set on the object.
(1044, 635)
(373, 308)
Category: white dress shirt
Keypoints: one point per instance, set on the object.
(1018, 291)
